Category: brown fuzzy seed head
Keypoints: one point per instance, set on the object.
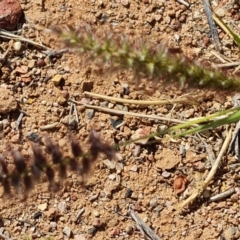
(50, 174)
(39, 159)
(76, 149)
(3, 165)
(19, 161)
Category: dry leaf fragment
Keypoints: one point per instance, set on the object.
(180, 184)
(140, 134)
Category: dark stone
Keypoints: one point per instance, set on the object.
(10, 14)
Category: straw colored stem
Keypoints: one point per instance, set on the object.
(140, 102)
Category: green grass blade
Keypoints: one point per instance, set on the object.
(227, 29)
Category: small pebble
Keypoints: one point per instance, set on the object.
(126, 90)
(184, 233)
(53, 225)
(15, 138)
(197, 15)
(67, 231)
(96, 213)
(79, 237)
(43, 206)
(168, 203)
(115, 232)
(140, 196)
(136, 151)
(103, 104)
(206, 193)
(116, 123)
(109, 164)
(110, 105)
(97, 223)
(129, 229)
(189, 113)
(37, 215)
(62, 207)
(92, 231)
(119, 106)
(166, 174)
(90, 113)
(17, 45)
(55, 104)
(128, 193)
(134, 168)
(72, 124)
(32, 136)
(112, 176)
(153, 202)
(31, 63)
(137, 207)
(125, 3)
(61, 100)
(40, 63)
(57, 79)
(220, 12)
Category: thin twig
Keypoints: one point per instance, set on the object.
(219, 56)
(79, 214)
(142, 102)
(236, 69)
(54, 53)
(8, 35)
(234, 144)
(3, 56)
(73, 111)
(121, 112)
(143, 227)
(49, 126)
(18, 122)
(209, 150)
(211, 23)
(203, 185)
(184, 3)
(222, 195)
(231, 64)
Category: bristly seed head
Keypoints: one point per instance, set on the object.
(56, 155)
(28, 183)
(62, 171)
(53, 149)
(50, 174)
(16, 180)
(76, 149)
(39, 160)
(19, 161)
(98, 147)
(86, 163)
(23, 176)
(73, 164)
(3, 165)
(6, 187)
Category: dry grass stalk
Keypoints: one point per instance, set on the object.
(187, 100)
